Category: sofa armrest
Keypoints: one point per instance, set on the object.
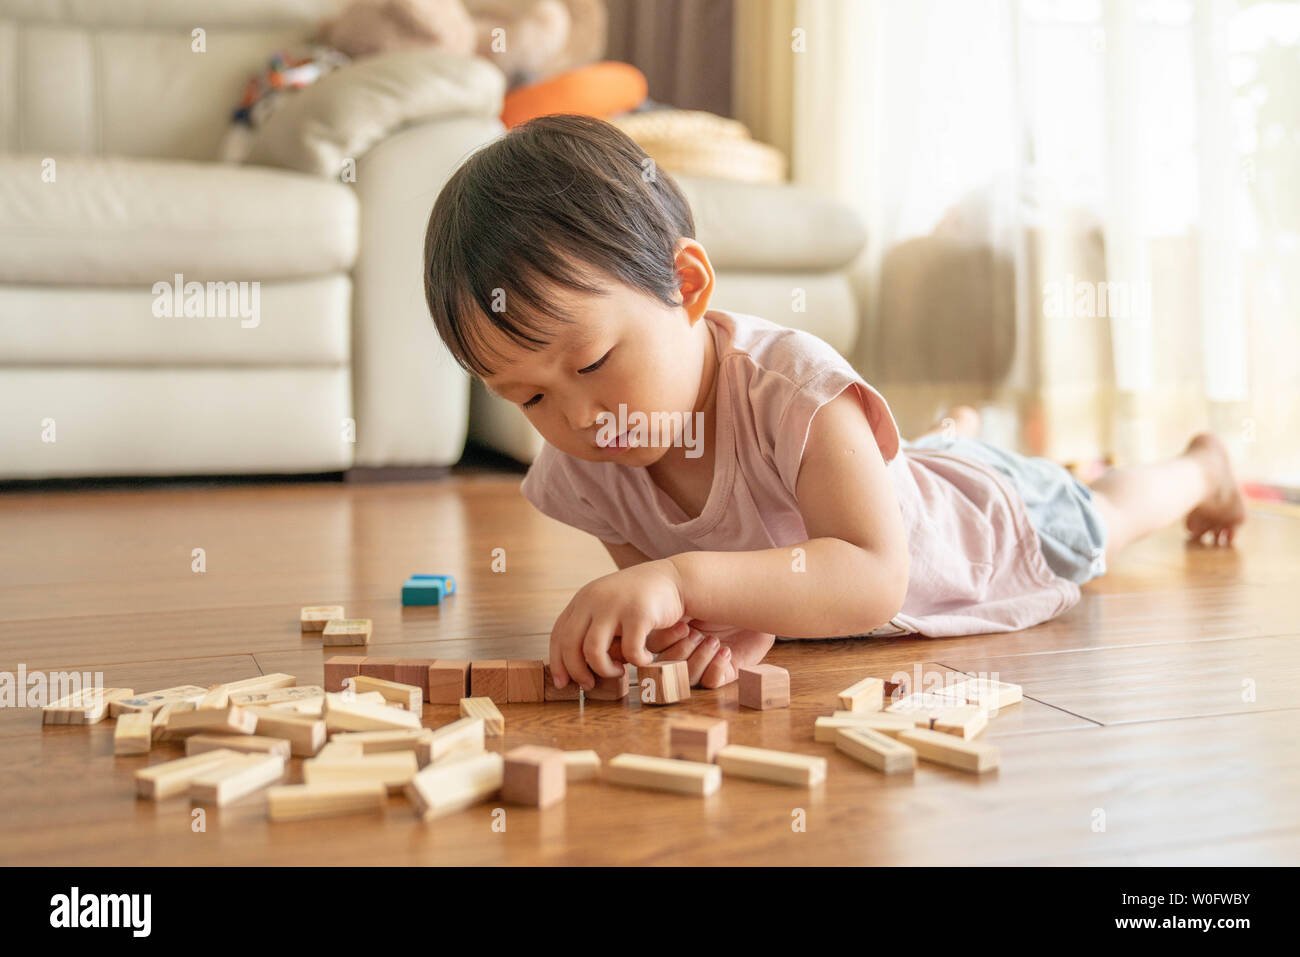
(411, 399)
(345, 113)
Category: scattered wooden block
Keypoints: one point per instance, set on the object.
(346, 631)
(341, 714)
(778, 767)
(533, 776)
(923, 706)
(570, 692)
(695, 738)
(882, 722)
(133, 733)
(414, 671)
(277, 695)
(965, 721)
(664, 682)
(297, 802)
(990, 695)
(314, 617)
(581, 765)
(875, 750)
(380, 667)
(419, 741)
(261, 683)
(525, 682)
(449, 786)
(340, 667)
(336, 749)
(409, 697)
(448, 681)
(393, 769)
(764, 687)
(490, 679)
(155, 700)
(973, 756)
(866, 695)
(664, 774)
(466, 736)
(493, 721)
(87, 706)
(231, 719)
(305, 734)
(163, 715)
(216, 698)
(609, 689)
(170, 778)
(237, 778)
(241, 743)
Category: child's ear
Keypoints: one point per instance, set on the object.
(694, 276)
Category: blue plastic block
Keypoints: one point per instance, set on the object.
(422, 591)
(448, 583)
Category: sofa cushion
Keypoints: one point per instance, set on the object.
(746, 226)
(114, 221)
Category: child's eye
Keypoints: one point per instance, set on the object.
(595, 365)
(533, 401)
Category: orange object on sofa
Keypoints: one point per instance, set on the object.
(601, 89)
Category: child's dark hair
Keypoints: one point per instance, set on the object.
(522, 211)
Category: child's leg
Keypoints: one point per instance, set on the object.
(1199, 484)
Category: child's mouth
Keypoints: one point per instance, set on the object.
(619, 444)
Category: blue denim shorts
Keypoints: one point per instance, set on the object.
(1070, 529)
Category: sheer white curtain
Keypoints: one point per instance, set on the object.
(1084, 214)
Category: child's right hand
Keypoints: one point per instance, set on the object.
(713, 654)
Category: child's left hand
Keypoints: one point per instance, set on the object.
(627, 606)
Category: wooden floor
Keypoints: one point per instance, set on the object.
(1167, 700)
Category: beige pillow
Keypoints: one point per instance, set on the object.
(350, 109)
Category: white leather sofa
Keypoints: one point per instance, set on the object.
(110, 126)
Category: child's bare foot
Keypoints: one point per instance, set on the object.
(1224, 507)
(959, 420)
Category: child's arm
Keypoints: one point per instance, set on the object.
(849, 577)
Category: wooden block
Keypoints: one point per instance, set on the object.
(664, 682)
(990, 695)
(609, 689)
(570, 692)
(336, 749)
(305, 734)
(237, 778)
(231, 719)
(448, 681)
(581, 765)
(923, 706)
(87, 706)
(380, 667)
(153, 701)
(277, 695)
(448, 786)
(778, 767)
(314, 617)
(419, 741)
(695, 738)
(664, 774)
(341, 714)
(533, 776)
(764, 687)
(965, 721)
(409, 697)
(340, 667)
(876, 750)
(261, 683)
(216, 698)
(866, 695)
(297, 802)
(315, 707)
(466, 736)
(346, 631)
(393, 769)
(414, 671)
(882, 722)
(490, 679)
(894, 690)
(133, 733)
(163, 715)
(494, 723)
(241, 743)
(973, 756)
(166, 780)
(525, 682)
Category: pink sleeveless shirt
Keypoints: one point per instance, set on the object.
(976, 565)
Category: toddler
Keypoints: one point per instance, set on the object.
(745, 479)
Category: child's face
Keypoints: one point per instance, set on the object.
(623, 348)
